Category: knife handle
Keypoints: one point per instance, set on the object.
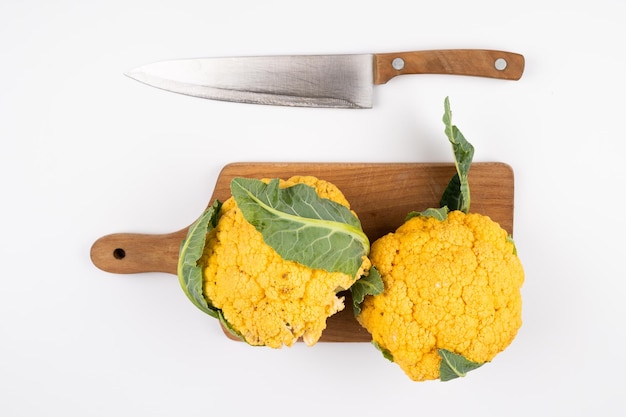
(476, 62)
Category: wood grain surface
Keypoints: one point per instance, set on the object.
(380, 193)
(474, 62)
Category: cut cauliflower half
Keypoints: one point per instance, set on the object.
(262, 297)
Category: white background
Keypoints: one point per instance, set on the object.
(86, 151)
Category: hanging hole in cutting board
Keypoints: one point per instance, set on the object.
(119, 253)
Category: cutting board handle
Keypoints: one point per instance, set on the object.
(131, 253)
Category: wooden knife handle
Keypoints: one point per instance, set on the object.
(130, 253)
(476, 62)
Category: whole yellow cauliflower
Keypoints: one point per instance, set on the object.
(452, 285)
(265, 299)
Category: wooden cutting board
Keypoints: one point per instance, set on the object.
(380, 193)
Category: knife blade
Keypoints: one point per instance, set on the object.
(340, 81)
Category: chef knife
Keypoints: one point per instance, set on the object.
(342, 81)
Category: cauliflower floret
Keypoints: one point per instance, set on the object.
(266, 299)
(451, 284)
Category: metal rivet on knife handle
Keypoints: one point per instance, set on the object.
(397, 64)
(475, 62)
(500, 64)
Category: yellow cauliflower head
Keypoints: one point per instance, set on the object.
(266, 299)
(452, 285)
